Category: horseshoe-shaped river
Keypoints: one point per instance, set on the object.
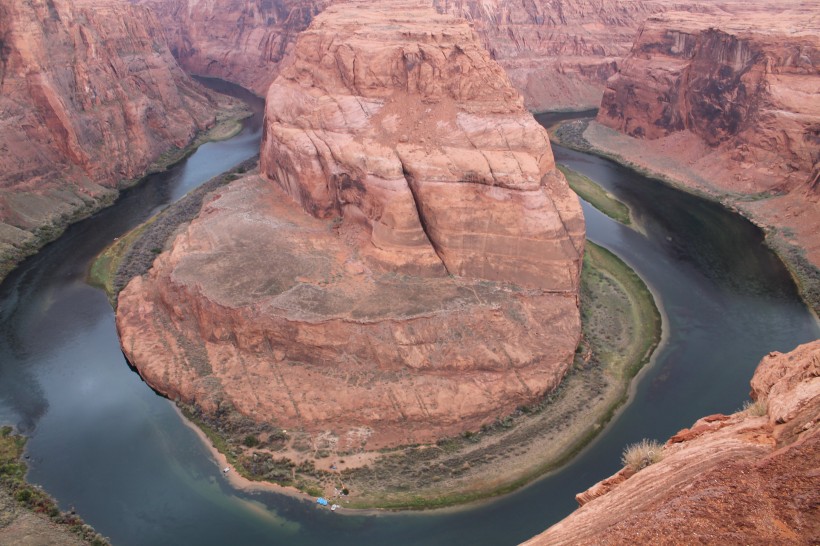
(103, 442)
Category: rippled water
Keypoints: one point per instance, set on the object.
(103, 442)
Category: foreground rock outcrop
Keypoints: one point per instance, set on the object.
(405, 267)
(733, 102)
(90, 96)
(746, 478)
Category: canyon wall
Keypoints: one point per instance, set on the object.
(730, 105)
(558, 54)
(89, 96)
(242, 41)
(746, 478)
(404, 267)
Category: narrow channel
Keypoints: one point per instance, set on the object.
(104, 443)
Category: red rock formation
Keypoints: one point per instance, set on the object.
(89, 96)
(735, 99)
(242, 41)
(558, 53)
(738, 479)
(414, 158)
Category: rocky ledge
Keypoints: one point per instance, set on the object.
(746, 478)
(90, 97)
(405, 267)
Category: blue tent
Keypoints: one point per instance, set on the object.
(322, 501)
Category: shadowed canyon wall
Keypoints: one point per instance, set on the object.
(729, 104)
(90, 96)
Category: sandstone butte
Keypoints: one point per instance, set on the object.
(730, 479)
(90, 96)
(405, 267)
(729, 105)
(557, 53)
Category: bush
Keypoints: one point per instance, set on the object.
(640, 455)
(250, 441)
(756, 408)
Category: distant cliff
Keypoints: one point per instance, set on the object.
(242, 41)
(558, 53)
(746, 478)
(729, 105)
(90, 96)
(747, 85)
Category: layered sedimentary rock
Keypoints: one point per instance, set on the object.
(89, 96)
(558, 54)
(730, 479)
(243, 41)
(736, 99)
(405, 266)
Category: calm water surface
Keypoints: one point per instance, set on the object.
(103, 442)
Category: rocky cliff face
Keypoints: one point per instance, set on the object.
(729, 105)
(406, 266)
(746, 85)
(730, 479)
(558, 53)
(242, 41)
(89, 96)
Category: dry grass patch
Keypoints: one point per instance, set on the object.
(644, 453)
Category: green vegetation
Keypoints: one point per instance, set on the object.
(596, 196)
(135, 252)
(638, 456)
(12, 481)
(104, 268)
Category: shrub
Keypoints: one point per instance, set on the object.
(640, 455)
(250, 441)
(756, 408)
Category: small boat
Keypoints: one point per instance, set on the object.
(226, 469)
(334, 507)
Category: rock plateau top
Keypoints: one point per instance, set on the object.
(404, 267)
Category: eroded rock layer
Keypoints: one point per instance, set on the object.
(243, 41)
(406, 266)
(730, 479)
(746, 85)
(735, 99)
(558, 54)
(89, 96)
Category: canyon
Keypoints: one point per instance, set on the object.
(90, 98)
(728, 106)
(557, 54)
(406, 202)
(749, 477)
